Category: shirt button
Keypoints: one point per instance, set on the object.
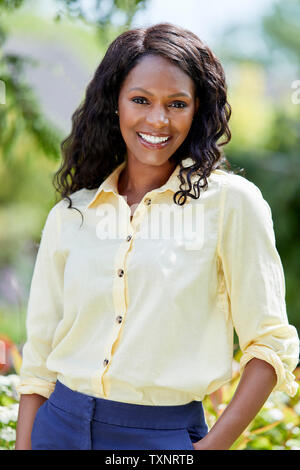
(120, 272)
(148, 201)
(119, 319)
(105, 362)
(129, 238)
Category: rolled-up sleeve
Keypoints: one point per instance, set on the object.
(44, 311)
(255, 282)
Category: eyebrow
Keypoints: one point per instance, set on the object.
(181, 93)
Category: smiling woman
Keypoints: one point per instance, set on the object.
(153, 123)
(167, 84)
(128, 330)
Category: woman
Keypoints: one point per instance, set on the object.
(131, 312)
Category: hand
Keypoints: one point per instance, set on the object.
(200, 445)
(255, 385)
(205, 444)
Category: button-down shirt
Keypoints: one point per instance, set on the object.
(143, 311)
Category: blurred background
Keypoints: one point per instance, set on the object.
(49, 51)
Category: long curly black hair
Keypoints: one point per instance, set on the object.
(95, 146)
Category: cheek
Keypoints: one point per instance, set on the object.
(127, 119)
(125, 125)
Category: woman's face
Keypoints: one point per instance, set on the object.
(156, 107)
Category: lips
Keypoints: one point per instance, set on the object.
(156, 141)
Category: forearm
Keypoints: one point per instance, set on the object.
(28, 407)
(256, 384)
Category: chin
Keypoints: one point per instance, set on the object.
(152, 158)
(157, 161)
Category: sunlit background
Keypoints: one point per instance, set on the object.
(49, 52)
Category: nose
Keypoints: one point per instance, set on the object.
(157, 117)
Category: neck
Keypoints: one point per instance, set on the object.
(138, 178)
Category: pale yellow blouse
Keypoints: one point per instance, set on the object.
(143, 312)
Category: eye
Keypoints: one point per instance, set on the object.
(179, 104)
(139, 100)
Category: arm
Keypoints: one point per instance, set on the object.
(44, 312)
(255, 289)
(28, 407)
(256, 384)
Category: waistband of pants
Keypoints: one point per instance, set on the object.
(128, 414)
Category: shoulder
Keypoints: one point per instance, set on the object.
(241, 196)
(236, 188)
(233, 181)
(61, 215)
(80, 200)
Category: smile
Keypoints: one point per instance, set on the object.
(153, 140)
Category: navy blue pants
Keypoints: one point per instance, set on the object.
(71, 420)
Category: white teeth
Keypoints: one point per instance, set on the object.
(153, 139)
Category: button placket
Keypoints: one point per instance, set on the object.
(120, 294)
(117, 325)
(120, 305)
(140, 211)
